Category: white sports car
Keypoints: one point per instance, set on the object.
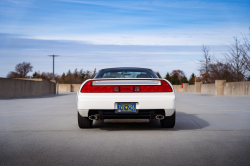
(126, 93)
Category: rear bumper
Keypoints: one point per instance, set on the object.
(141, 114)
(108, 101)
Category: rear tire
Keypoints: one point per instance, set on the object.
(84, 122)
(168, 121)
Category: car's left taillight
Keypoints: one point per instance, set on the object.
(89, 88)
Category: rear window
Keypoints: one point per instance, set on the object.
(126, 73)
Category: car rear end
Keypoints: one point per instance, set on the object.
(126, 98)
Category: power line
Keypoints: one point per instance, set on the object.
(53, 64)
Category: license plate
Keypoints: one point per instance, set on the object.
(126, 107)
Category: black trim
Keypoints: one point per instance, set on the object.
(141, 114)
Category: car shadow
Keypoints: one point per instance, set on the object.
(183, 122)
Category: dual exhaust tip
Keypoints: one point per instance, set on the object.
(96, 117)
(93, 117)
(159, 117)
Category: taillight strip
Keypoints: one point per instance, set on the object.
(89, 88)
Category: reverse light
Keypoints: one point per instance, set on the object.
(137, 89)
(116, 89)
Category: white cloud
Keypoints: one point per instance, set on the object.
(159, 37)
(20, 2)
(122, 4)
(150, 5)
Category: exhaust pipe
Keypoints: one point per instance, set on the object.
(93, 117)
(159, 117)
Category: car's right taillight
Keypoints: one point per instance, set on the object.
(164, 87)
(89, 88)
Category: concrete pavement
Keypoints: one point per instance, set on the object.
(210, 130)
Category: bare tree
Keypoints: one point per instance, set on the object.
(21, 70)
(246, 53)
(220, 71)
(204, 63)
(13, 74)
(236, 60)
(235, 66)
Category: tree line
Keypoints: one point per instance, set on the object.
(177, 77)
(75, 77)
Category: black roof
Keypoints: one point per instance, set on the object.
(126, 68)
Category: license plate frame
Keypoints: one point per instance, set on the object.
(118, 109)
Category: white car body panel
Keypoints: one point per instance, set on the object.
(152, 100)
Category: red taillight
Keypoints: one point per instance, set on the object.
(86, 87)
(89, 88)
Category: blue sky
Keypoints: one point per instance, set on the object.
(161, 35)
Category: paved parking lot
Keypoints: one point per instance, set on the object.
(210, 130)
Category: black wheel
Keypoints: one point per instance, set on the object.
(168, 121)
(84, 122)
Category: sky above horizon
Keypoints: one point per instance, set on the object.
(157, 34)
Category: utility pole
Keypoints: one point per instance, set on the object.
(53, 64)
